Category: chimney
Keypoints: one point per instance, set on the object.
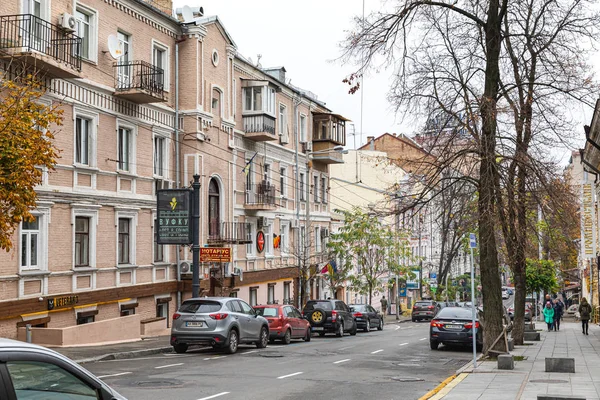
(371, 141)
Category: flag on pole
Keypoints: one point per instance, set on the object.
(246, 169)
(330, 267)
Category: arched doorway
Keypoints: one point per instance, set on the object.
(214, 209)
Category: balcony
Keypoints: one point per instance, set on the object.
(40, 44)
(261, 197)
(139, 82)
(220, 233)
(259, 127)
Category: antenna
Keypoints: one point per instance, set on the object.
(187, 14)
(115, 47)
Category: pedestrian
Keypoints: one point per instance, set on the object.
(384, 305)
(549, 315)
(585, 310)
(558, 312)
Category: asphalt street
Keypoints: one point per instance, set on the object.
(395, 363)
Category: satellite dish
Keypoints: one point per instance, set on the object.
(115, 47)
(187, 14)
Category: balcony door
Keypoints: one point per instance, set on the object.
(33, 28)
(214, 209)
(124, 69)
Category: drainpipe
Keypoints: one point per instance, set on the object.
(177, 177)
(297, 194)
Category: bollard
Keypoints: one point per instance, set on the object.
(28, 333)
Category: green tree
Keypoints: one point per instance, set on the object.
(540, 275)
(26, 147)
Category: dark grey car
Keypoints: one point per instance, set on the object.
(367, 317)
(222, 322)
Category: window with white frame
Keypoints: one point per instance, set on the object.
(301, 184)
(125, 241)
(283, 121)
(253, 297)
(286, 293)
(86, 28)
(283, 181)
(316, 188)
(302, 241)
(83, 139)
(82, 241)
(303, 128)
(266, 173)
(250, 238)
(318, 239)
(160, 59)
(160, 159)
(271, 293)
(216, 102)
(30, 243)
(285, 237)
(324, 189)
(258, 99)
(124, 144)
(268, 239)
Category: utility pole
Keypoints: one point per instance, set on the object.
(196, 244)
(420, 263)
(472, 244)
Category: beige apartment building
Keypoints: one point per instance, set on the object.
(149, 101)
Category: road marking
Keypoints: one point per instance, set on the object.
(341, 361)
(251, 351)
(346, 348)
(423, 338)
(214, 358)
(214, 395)
(403, 344)
(108, 376)
(397, 328)
(167, 366)
(376, 351)
(284, 376)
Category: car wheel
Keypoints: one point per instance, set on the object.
(340, 331)
(287, 338)
(355, 328)
(318, 317)
(308, 335)
(263, 339)
(232, 342)
(433, 344)
(180, 348)
(413, 320)
(368, 327)
(380, 326)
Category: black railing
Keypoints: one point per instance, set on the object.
(261, 193)
(229, 232)
(28, 33)
(259, 123)
(139, 75)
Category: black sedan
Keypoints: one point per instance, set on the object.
(367, 317)
(453, 325)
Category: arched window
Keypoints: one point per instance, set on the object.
(216, 101)
(214, 209)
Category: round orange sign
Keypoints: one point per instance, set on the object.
(260, 241)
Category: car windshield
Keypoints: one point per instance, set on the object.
(455, 312)
(267, 311)
(325, 305)
(200, 306)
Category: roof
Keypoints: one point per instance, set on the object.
(215, 19)
(332, 114)
(401, 137)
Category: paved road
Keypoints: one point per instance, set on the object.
(395, 363)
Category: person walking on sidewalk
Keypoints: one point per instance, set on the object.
(384, 305)
(585, 311)
(549, 315)
(558, 312)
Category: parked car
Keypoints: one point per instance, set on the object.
(28, 371)
(573, 309)
(444, 304)
(454, 325)
(330, 316)
(367, 317)
(285, 322)
(505, 294)
(424, 309)
(222, 322)
(511, 313)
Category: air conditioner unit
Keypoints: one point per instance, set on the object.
(306, 147)
(185, 269)
(67, 22)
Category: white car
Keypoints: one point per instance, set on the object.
(505, 294)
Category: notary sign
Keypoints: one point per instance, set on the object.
(62, 302)
(215, 254)
(174, 216)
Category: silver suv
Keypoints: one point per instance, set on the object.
(222, 322)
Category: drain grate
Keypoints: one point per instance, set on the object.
(158, 383)
(548, 381)
(270, 354)
(456, 362)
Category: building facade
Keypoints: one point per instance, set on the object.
(149, 101)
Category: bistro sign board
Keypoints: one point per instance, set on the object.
(215, 254)
(62, 302)
(174, 216)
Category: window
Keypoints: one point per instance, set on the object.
(162, 310)
(259, 98)
(127, 310)
(250, 239)
(249, 174)
(316, 188)
(214, 209)
(286, 293)
(82, 140)
(159, 249)
(318, 239)
(85, 28)
(86, 317)
(253, 301)
(30, 243)
(82, 241)
(266, 173)
(303, 128)
(302, 241)
(159, 155)
(285, 237)
(124, 148)
(124, 241)
(268, 239)
(271, 294)
(283, 121)
(124, 70)
(324, 189)
(37, 379)
(301, 187)
(216, 101)
(246, 309)
(283, 181)
(160, 59)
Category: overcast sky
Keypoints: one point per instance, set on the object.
(304, 36)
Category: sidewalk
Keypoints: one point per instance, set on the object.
(528, 379)
(391, 319)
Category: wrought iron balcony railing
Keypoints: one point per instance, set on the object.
(261, 193)
(259, 124)
(26, 33)
(139, 75)
(229, 232)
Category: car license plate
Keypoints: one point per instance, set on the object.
(317, 328)
(194, 324)
(453, 326)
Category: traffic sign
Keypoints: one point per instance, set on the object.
(472, 241)
(433, 275)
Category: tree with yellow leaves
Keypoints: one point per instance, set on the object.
(26, 148)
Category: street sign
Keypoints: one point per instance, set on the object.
(472, 241)
(402, 292)
(414, 284)
(215, 254)
(173, 216)
(433, 275)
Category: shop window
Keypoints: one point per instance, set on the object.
(86, 317)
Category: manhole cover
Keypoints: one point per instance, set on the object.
(271, 355)
(405, 379)
(159, 383)
(548, 381)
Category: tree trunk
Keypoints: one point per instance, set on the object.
(370, 294)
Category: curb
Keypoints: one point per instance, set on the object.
(125, 355)
(439, 387)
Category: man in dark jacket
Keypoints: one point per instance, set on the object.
(585, 311)
(558, 312)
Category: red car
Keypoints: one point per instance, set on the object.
(285, 322)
